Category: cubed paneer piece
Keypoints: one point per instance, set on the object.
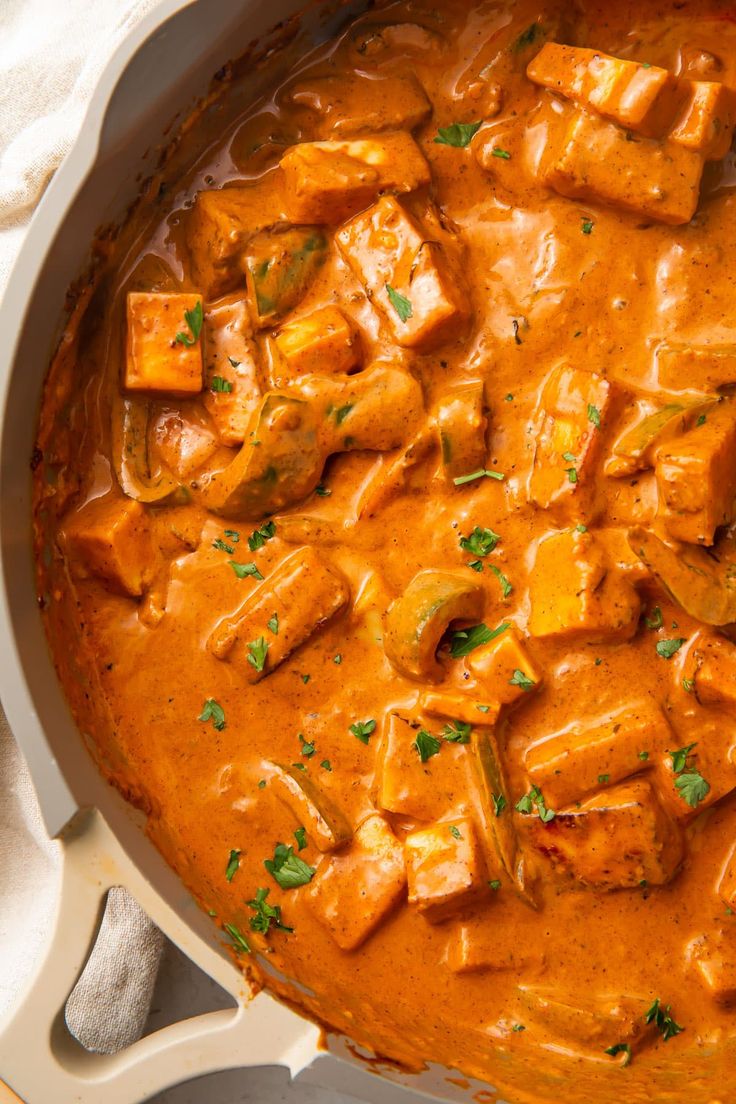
(302, 594)
(352, 103)
(219, 226)
(462, 426)
(474, 947)
(327, 182)
(445, 869)
(324, 343)
(232, 391)
(590, 1021)
(325, 824)
(576, 590)
(695, 367)
(409, 271)
(356, 890)
(598, 162)
(638, 97)
(713, 956)
(710, 663)
(727, 880)
(707, 119)
(164, 350)
(504, 668)
(573, 407)
(405, 785)
(183, 440)
(616, 839)
(573, 763)
(708, 772)
(459, 707)
(110, 538)
(696, 477)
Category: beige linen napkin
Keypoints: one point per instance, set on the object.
(51, 54)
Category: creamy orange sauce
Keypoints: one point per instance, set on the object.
(504, 860)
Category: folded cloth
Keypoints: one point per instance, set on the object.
(51, 55)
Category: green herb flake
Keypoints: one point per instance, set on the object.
(400, 303)
(528, 37)
(656, 620)
(475, 565)
(194, 319)
(643, 755)
(506, 587)
(221, 546)
(518, 1027)
(326, 765)
(679, 757)
(509, 397)
(426, 745)
(482, 473)
(287, 869)
(258, 537)
(273, 624)
(458, 135)
(483, 708)
(245, 570)
(239, 941)
(342, 412)
(363, 730)
(522, 681)
(502, 153)
(257, 652)
(300, 835)
(308, 748)
(667, 648)
(220, 385)
(455, 832)
(663, 1019)
(322, 491)
(213, 711)
(572, 474)
(305, 679)
(688, 685)
(594, 415)
(262, 784)
(620, 1048)
(499, 803)
(587, 226)
(701, 420)
(464, 641)
(692, 787)
(604, 778)
(457, 732)
(266, 915)
(580, 528)
(480, 542)
(535, 799)
(495, 884)
(232, 865)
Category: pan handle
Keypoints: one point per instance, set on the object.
(40, 1060)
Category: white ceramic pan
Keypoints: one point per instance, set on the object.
(156, 74)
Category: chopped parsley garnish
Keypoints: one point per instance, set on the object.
(257, 652)
(265, 915)
(701, 420)
(580, 528)
(509, 397)
(506, 587)
(688, 685)
(603, 778)
(287, 869)
(483, 708)
(326, 765)
(243, 570)
(495, 884)
(620, 1048)
(499, 803)
(213, 711)
(194, 319)
(300, 835)
(663, 1020)
(232, 865)
(587, 226)
(455, 832)
(305, 679)
(518, 1027)
(594, 415)
(667, 648)
(502, 153)
(643, 755)
(475, 565)
(692, 787)
(459, 480)
(342, 411)
(221, 385)
(363, 730)
(239, 941)
(464, 641)
(458, 135)
(480, 542)
(337, 659)
(535, 799)
(221, 546)
(426, 745)
(656, 620)
(457, 732)
(308, 748)
(572, 474)
(273, 624)
(400, 303)
(679, 758)
(262, 784)
(258, 537)
(521, 680)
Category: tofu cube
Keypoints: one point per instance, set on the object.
(304, 592)
(504, 668)
(727, 881)
(711, 663)
(407, 786)
(568, 434)
(707, 119)
(695, 367)
(576, 590)
(597, 161)
(327, 182)
(590, 1021)
(110, 538)
(163, 354)
(353, 103)
(459, 707)
(712, 757)
(696, 477)
(569, 765)
(355, 890)
(388, 249)
(616, 839)
(232, 391)
(183, 441)
(325, 824)
(713, 956)
(324, 343)
(445, 869)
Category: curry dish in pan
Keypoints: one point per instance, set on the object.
(384, 493)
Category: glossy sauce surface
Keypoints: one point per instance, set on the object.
(475, 404)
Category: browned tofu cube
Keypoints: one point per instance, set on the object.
(232, 392)
(352, 103)
(616, 839)
(164, 350)
(699, 368)
(504, 668)
(219, 226)
(303, 593)
(409, 271)
(327, 182)
(445, 869)
(569, 765)
(325, 824)
(574, 406)
(576, 590)
(184, 441)
(406, 785)
(709, 772)
(648, 177)
(713, 957)
(459, 707)
(707, 118)
(727, 880)
(710, 662)
(110, 538)
(356, 890)
(696, 477)
(324, 343)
